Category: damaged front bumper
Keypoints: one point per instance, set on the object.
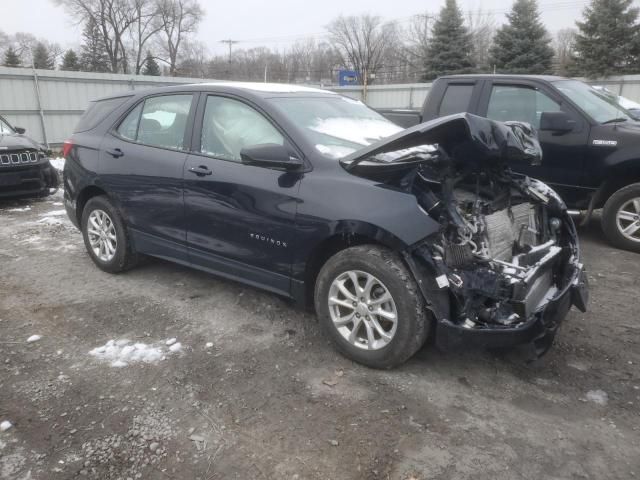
(541, 308)
(537, 332)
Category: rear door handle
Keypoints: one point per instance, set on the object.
(201, 170)
(115, 153)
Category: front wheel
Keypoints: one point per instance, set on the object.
(621, 218)
(369, 305)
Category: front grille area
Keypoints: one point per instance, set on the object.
(20, 157)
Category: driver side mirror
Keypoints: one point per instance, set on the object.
(270, 155)
(19, 130)
(556, 122)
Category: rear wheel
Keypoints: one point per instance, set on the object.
(106, 237)
(370, 306)
(621, 218)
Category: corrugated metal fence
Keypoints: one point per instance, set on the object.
(48, 103)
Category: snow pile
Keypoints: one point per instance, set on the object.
(5, 425)
(57, 163)
(34, 338)
(598, 396)
(120, 353)
(17, 209)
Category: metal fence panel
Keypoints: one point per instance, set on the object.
(48, 103)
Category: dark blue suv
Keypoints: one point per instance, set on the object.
(391, 235)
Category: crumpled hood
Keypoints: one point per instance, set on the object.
(463, 137)
(14, 141)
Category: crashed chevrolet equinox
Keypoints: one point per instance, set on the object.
(393, 236)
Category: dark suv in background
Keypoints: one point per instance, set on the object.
(25, 170)
(392, 235)
(590, 143)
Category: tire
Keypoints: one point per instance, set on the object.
(625, 201)
(412, 322)
(114, 260)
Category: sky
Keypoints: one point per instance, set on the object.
(274, 23)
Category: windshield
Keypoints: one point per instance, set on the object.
(5, 127)
(598, 105)
(336, 126)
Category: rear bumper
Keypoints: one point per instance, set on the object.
(538, 331)
(28, 181)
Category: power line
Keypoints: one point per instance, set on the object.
(230, 43)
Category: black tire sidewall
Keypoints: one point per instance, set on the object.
(410, 334)
(120, 260)
(609, 212)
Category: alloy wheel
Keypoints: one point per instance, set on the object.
(628, 219)
(102, 235)
(362, 310)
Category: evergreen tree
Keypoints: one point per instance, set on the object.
(607, 39)
(42, 57)
(450, 50)
(522, 45)
(151, 67)
(70, 61)
(93, 57)
(11, 58)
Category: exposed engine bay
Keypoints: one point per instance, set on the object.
(506, 246)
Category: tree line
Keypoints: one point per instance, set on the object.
(156, 37)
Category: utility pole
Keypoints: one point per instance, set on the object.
(230, 43)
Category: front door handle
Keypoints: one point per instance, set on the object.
(115, 153)
(201, 170)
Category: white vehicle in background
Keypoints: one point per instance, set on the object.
(629, 105)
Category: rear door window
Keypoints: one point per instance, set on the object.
(158, 121)
(97, 111)
(456, 99)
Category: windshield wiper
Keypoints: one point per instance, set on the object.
(615, 120)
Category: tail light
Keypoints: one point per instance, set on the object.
(66, 148)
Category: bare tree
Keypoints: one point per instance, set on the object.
(362, 42)
(144, 27)
(416, 41)
(482, 26)
(113, 18)
(564, 46)
(177, 19)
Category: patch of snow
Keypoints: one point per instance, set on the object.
(121, 353)
(34, 338)
(171, 341)
(23, 209)
(598, 396)
(269, 87)
(209, 344)
(54, 213)
(334, 151)
(5, 425)
(357, 130)
(57, 163)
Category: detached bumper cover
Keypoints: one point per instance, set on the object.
(538, 331)
(25, 181)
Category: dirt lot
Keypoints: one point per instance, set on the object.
(254, 390)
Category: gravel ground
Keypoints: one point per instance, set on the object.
(253, 390)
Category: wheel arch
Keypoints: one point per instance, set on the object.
(86, 194)
(350, 234)
(619, 176)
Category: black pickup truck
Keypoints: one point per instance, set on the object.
(590, 144)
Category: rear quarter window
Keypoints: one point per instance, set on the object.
(97, 111)
(456, 99)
